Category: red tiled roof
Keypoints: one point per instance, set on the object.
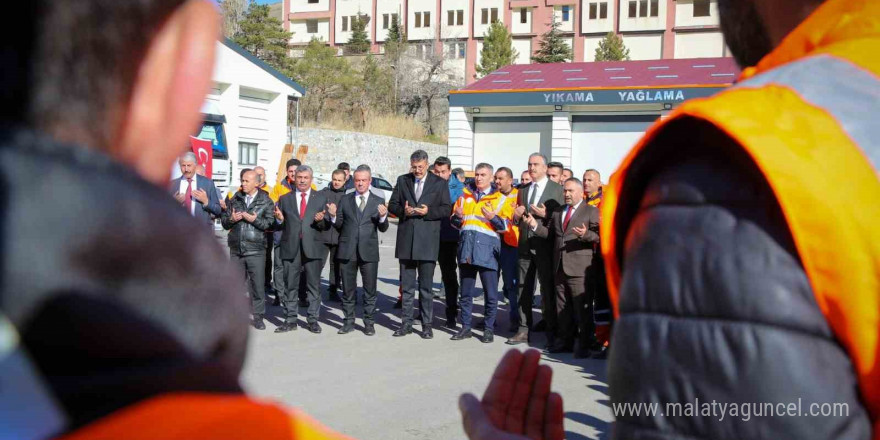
(610, 74)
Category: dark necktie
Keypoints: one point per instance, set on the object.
(532, 197)
(362, 204)
(188, 196)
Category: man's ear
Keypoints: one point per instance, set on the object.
(169, 90)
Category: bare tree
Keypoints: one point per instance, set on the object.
(233, 12)
(426, 86)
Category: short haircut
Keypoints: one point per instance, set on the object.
(71, 65)
(442, 161)
(259, 168)
(243, 170)
(338, 171)
(541, 155)
(485, 166)
(555, 165)
(189, 156)
(524, 172)
(569, 170)
(593, 170)
(344, 166)
(305, 169)
(248, 170)
(362, 168)
(292, 163)
(458, 172)
(418, 156)
(506, 171)
(575, 180)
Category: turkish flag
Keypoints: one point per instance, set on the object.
(204, 153)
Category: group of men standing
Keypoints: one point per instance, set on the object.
(543, 232)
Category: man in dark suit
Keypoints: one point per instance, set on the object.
(248, 217)
(302, 218)
(196, 193)
(334, 192)
(420, 201)
(540, 199)
(358, 217)
(574, 230)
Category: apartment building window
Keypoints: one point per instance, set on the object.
(455, 50)
(523, 15)
(450, 18)
(633, 8)
(426, 19)
(566, 13)
(701, 8)
(387, 19)
(643, 8)
(484, 17)
(640, 8)
(418, 20)
(344, 24)
(313, 2)
(247, 153)
(655, 8)
(603, 10)
(460, 17)
(494, 14)
(312, 26)
(598, 11)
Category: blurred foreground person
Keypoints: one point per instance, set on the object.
(737, 275)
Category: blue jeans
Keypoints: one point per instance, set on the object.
(510, 274)
(489, 278)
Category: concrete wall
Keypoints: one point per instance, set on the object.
(386, 155)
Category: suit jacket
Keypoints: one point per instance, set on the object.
(203, 213)
(331, 235)
(305, 234)
(552, 199)
(358, 231)
(418, 237)
(573, 253)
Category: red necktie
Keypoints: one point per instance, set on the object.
(567, 218)
(188, 196)
(302, 206)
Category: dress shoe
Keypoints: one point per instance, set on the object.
(346, 328)
(450, 322)
(560, 347)
(601, 353)
(369, 329)
(427, 333)
(258, 322)
(464, 333)
(303, 303)
(403, 331)
(521, 337)
(315, 328)
(488, 337)
(286, 327)
(398, 304)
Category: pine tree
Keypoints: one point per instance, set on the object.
(611, 48)
(359, 42)
(497, 50)
(233, 12)
(553, 48)
(264, 36)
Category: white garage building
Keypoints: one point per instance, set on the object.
(584, 115)
(255, 99)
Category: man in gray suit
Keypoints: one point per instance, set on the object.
(358, 217)
(540, 199)
(196, 193)
(420, 201)
(574, 230)
(302, 219)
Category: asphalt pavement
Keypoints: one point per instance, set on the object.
(385, 388)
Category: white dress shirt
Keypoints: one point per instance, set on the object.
(357, 202)
(538, 187)
(195, 186)
(564, 213)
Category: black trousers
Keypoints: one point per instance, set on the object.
(253, 267)
(540, 264)
(409, 270)
(302, 268)
(448, 260)
(336, 270)
(369, 273)
(279, 276)
(574, 307)
(269, 268)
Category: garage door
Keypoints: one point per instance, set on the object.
(508, 141)
(601, 142)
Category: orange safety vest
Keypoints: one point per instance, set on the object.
(807, 115)
(207, 417)
(510, 237)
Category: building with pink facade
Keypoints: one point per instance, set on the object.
(651, 29)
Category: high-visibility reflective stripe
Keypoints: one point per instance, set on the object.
(849, 93)
(480, 229)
